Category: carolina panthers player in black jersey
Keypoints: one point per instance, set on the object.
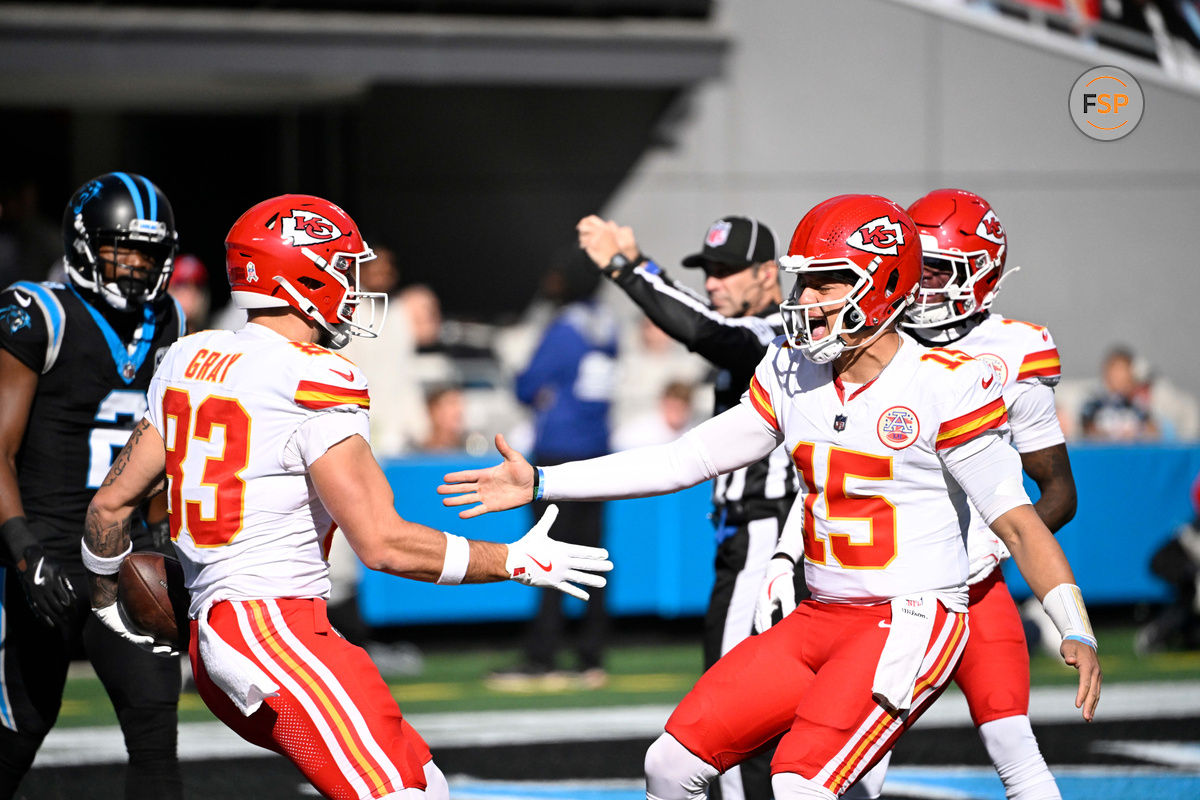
(75, 364)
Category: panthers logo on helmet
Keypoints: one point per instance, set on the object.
(898, 427)
(881, 236)
(303, 228)
(990, 228)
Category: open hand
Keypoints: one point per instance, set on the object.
(1084, 658)
(507, 485)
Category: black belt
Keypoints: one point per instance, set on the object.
(739, 512)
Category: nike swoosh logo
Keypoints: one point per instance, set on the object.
(22, 299)
(546, 567)
(988, 382)
(884, 623)
(350, 375)
(38, 580)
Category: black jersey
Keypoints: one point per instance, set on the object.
(734, 345)
(94, 365)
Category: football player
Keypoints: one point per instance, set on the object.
(732, 331)
(890, 439)
(964, 247)
(75, 363)
(259, 438)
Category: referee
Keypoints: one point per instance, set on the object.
(732, 330)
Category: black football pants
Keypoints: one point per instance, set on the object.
(143, 688)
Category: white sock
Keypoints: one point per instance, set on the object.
(1014, 751)
(675, 773)
(790, 786)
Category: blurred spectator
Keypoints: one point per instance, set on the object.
(446, 408)
(1178, 563)
(650, 360)
(30, 245)
(569, 384)
(670, 420)
(189, 285)
(1117, 410)
(398, 416)
(1176, 412)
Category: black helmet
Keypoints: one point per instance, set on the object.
(121, 210)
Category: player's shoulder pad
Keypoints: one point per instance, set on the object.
(1039, 360)
(19, 304)
(976, 401)
(327, 379)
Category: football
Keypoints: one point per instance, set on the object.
(151, 591)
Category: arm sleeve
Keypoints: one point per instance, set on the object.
(729, 342)
(791, 538)
(989, 471)
(734, 439)
(1034, 420)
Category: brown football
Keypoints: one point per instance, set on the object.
(151, 591)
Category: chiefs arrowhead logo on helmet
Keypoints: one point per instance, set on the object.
(990, 228)
(881, 235)
(305, 228)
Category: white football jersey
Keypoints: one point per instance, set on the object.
(882, 516)
(243, 414)
(1025, 359)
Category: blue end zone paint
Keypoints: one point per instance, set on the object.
(946, 784)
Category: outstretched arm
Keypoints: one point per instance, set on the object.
(736, 343)
(356, 493)
(724, 443)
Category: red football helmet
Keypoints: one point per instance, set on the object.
(301, 251)
(869, 242)
(960, 236)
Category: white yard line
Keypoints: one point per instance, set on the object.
(209, 740)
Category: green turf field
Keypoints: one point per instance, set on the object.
(454, 680)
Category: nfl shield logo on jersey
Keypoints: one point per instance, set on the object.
(898, 427)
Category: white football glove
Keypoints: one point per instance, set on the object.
(537, 560)
(113, 617)
(777, 592)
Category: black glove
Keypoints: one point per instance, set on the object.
(50, 593)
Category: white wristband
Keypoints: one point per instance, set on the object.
(100, 565)
(458, 556)
(1064, 606)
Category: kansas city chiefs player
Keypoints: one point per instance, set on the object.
(890, 439)
(964, 248)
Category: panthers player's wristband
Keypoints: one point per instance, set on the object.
(99, 564)
(539, 490)
(1064, 606)
(458, 557)
(16, 538)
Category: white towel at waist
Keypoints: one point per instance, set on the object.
(908, 639)
(233, 673)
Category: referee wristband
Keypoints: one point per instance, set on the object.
(99, 564)
(458, 556)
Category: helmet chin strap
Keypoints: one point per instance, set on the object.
(337, 339)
